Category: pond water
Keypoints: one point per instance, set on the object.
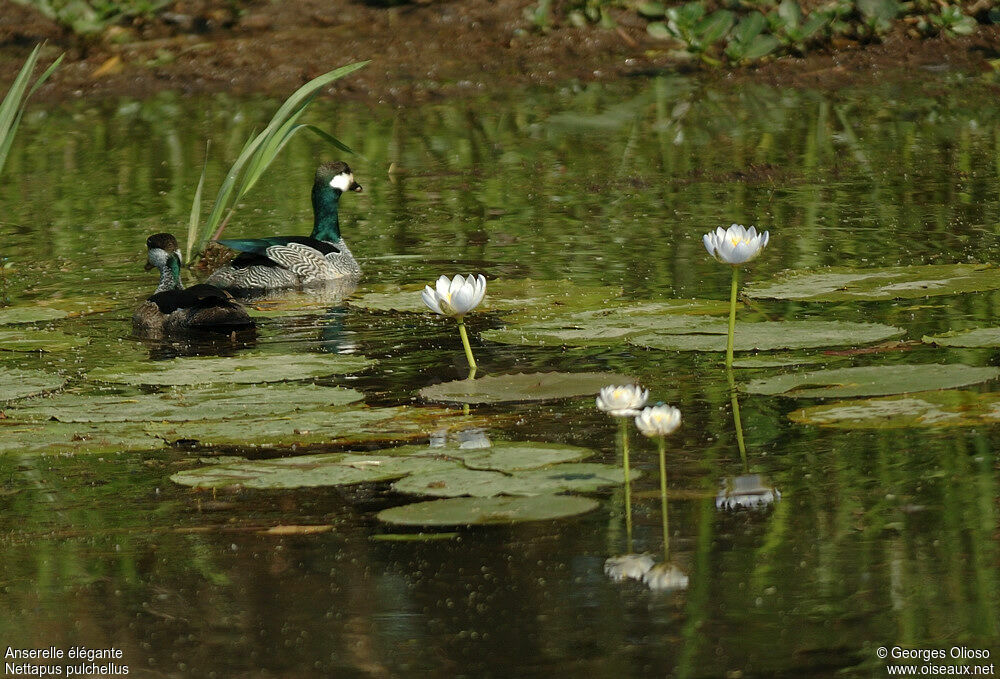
(881, 537)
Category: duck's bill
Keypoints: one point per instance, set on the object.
(355, 187)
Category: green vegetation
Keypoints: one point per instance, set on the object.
(257, 155)
(87, 17)
(12, 106)
(741, 31)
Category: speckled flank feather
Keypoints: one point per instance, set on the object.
(294, 265)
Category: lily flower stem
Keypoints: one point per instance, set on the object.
(732, 318)
(663, 498)
(737, 421)
(465, 343)
(623, 435)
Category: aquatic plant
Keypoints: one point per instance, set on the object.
(257, 155)
(734, 246)
(455, 298)
(86, 17)
(14, 102)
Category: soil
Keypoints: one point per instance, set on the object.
(420, 51)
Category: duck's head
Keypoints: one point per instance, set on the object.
(337, 176)
(163, 253)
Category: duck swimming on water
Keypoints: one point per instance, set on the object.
(277, 262)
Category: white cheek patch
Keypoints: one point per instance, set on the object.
(342, 181)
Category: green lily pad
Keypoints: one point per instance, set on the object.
(871, 381)
(521, 387)
(347, 425)
(838, 284)
(479, 511)
(504, 456)
(755, 362)
(581, 477)
(413, 537)
(15, 383)
(178, 405)
(51, 310)
(501, 295)
(926, 409)
(58, 437)
(308, 471)
(770, 336)
(39, 340)
(620, 313)
(245, 369)
(977, 337)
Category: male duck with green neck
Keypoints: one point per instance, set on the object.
(172, 309)
(280, 262)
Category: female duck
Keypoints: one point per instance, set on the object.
(172, 309)
(297, 261)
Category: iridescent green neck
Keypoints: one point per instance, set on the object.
(326, 221)
(170, 275)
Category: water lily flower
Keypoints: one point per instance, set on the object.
(735, 245)
(659, 420)
(455, 298)
(622, 401)
(665, 577)
(632, 566)
(750, 491)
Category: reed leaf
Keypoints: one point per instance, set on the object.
(260, 151)
(14, 102)
(195, 219)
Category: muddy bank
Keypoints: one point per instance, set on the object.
(419, 52)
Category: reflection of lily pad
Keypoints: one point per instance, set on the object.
(769, 336)
(927, 409)
(642, 313)
(57, 437)
(521, 387)
(38, 340)
(501, 295)
(479, 511)
(16, 383)
(245, 369)
(308, 471)
(603, 327)
(581, 477)
(871, 381)
(836, 284)
(753, 362)
(175, 405)
(346, 425)
(978, 337)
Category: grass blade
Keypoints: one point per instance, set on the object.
(192, 234)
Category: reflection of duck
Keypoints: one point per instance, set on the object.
(277, 262)
(750, 491)
(174, 309)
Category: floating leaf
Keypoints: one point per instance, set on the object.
(177, 405)
(509, 456)
(926, 409)
(413, 537)
(245, 369)
(32, 314)
(296, 530)
(501, 295)
(521, 387)
(977, 337)
(39, 340)
(837, 284)
(57, 437)
(478, 511)
(769, 336)
(871, 381)
(16, 383)
(581, 477)
(53, 309)
(752, 362)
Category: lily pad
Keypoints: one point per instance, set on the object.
(521, 387)
(871, 381)
(178, 405)
(308, 471)
(619, 312)
(39, 340)
(501, 295)
(245, 369)
(581, 477)
(15, 383)
(51, 310)
(346, 425)
(927, 409)
(478, 511)
(755, 362)
(770, 336)
(977, 337)
(838, 284)
(505, 456)
(57, 437)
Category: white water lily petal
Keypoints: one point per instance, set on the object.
(659, 420)
(455, 297)
(735, 245)
(632, 566)
(430, 299)
(622, 400)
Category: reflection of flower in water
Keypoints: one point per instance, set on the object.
(633, 566)
(665, 577)
(750, 491)
(466, 438)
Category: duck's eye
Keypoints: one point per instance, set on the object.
(342, 181)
